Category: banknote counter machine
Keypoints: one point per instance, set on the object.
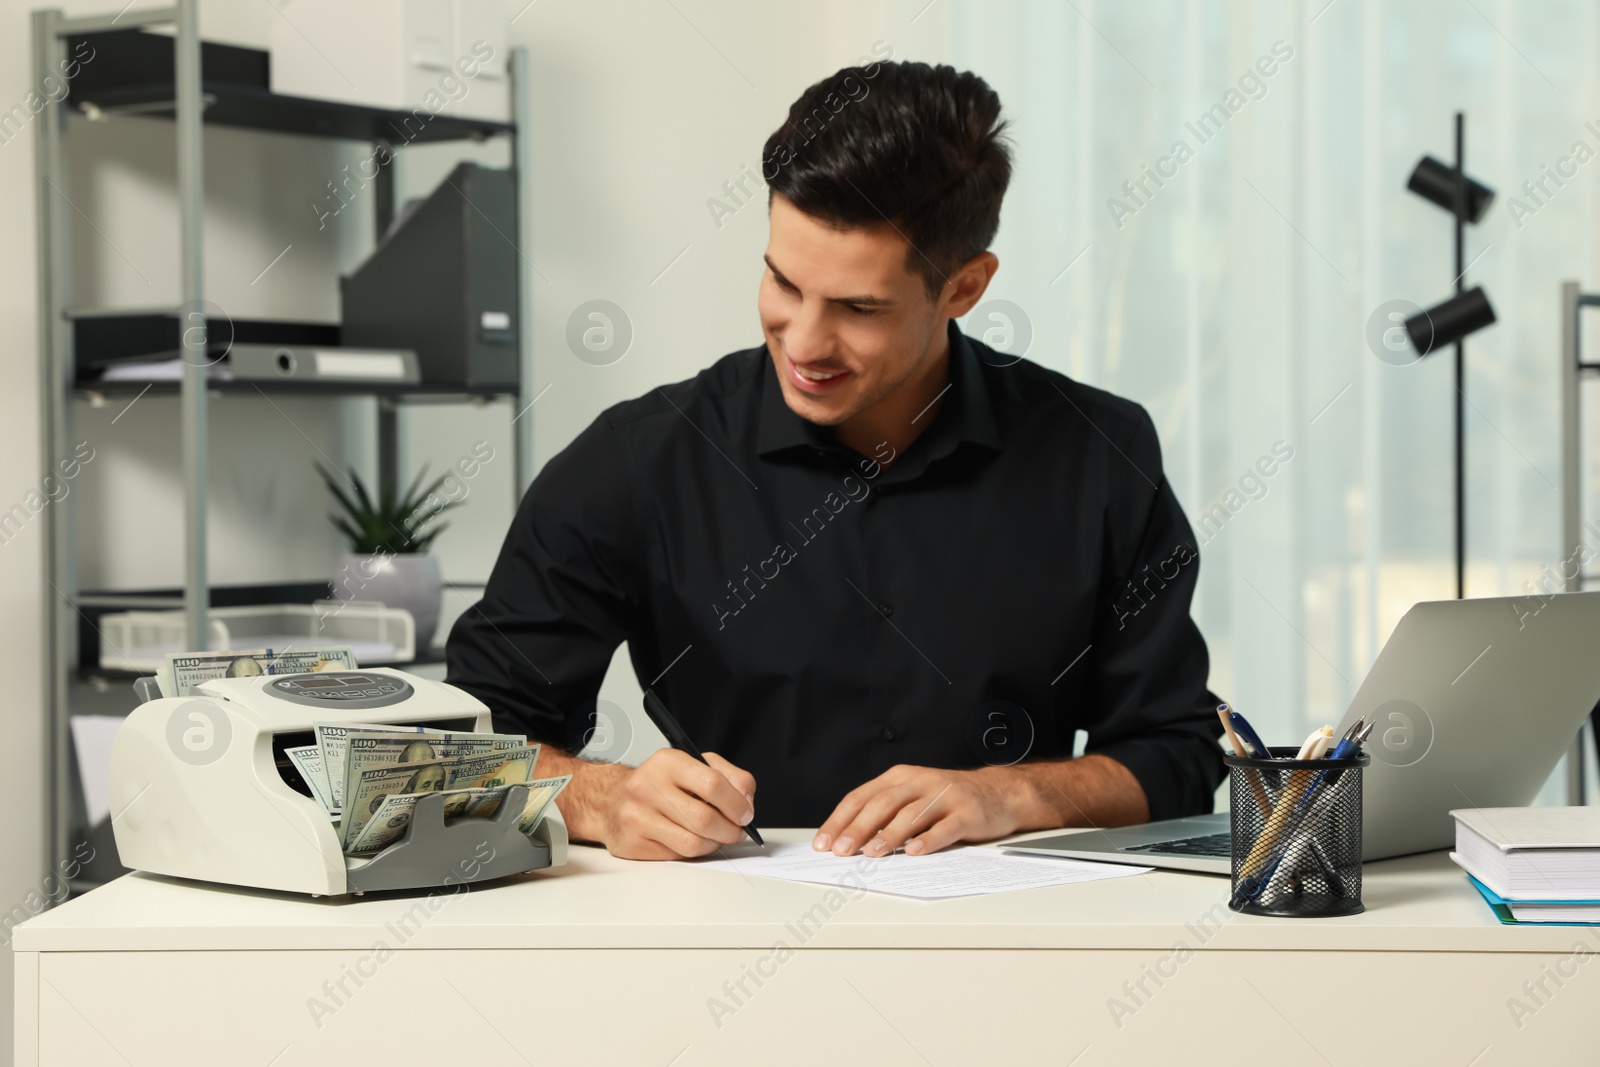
(201, 788)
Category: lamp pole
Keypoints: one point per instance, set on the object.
(1461, 348)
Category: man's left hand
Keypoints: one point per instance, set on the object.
(921, 808)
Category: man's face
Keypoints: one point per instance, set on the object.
(841, 302)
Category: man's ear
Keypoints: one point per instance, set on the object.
(967, 285)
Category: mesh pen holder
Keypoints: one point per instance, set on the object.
(1296, 835)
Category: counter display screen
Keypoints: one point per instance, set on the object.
(341, 688)
(331, 680)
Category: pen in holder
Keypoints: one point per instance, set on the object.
(1296, 835)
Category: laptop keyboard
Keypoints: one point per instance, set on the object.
(1216, 845)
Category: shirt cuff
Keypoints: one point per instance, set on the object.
(1170, 772)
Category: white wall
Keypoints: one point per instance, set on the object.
(22, 837)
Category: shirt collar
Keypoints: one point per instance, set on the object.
(967, 413)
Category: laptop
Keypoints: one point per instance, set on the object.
(1474, 701)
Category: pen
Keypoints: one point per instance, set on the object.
(1351, 743)
(1227, 728)
(1252, 775)
(1248, 735)
(1316, 744)
(679, 740)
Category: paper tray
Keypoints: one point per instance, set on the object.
(140, 640)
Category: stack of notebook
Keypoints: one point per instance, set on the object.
(1533, 865)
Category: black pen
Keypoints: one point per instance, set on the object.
(679, 740)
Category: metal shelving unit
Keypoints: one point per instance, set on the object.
(192, 99)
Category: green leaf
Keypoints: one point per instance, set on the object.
(406, 497)
(333, 487)
(423, 542)
(361, 492)
(342, 524)
(385, 526)
(415, 499)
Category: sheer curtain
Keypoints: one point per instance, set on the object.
(1208, 216)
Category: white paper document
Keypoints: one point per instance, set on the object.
(92, 737)
(956, 872)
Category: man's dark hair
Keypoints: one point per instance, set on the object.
(906, 144)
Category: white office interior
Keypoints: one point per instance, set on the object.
(1248, 291)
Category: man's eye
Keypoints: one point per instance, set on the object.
(863, 311)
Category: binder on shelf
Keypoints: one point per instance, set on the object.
(443, 281)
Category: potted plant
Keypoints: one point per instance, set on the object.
(388, 561)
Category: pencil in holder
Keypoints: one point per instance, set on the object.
(1296, 835)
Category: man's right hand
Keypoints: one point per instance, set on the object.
(669, 807)
(672, 806)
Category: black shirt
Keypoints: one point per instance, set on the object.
(1021, 571)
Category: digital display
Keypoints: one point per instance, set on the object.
(339, 689)
(332, 680)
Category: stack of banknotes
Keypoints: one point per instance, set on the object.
(368, 777)
(184, 672)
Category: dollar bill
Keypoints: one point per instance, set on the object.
(541, 794)
(389, 822)
(307, 759)
(386, 824)
(186, 670)
(368, 747)
(490, 769)
(332, 740)
(374, 786)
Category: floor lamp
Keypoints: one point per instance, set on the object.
(1453, 320)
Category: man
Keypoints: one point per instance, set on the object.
(873, 563)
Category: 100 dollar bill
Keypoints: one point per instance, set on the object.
(186, 670)
(374, 786)
(365, 747)
(541, 794)
(307, 759)
(389, 822)
(378, 758)
(332, 741)
(490, 769)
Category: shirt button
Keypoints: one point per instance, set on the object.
(885, 608)
(887, 733)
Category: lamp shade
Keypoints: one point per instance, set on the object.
(1445, 324)
(1436, 182)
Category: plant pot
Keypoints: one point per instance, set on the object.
(411, 581)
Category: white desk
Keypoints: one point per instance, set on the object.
(610, 962)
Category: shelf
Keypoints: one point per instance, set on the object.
(101, 337)
(228, 387)
(132, 73)
(110, 336)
